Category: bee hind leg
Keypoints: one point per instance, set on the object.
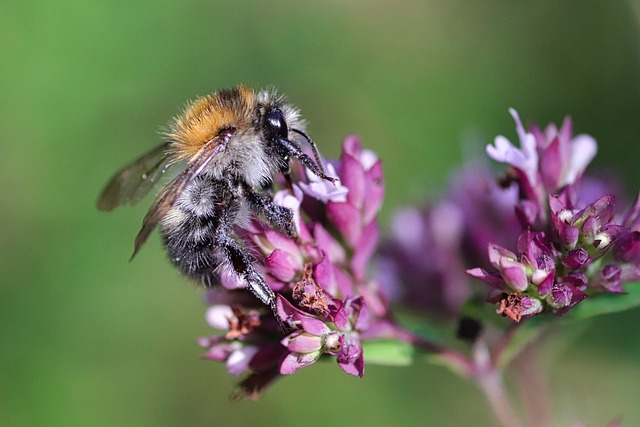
(243, 263)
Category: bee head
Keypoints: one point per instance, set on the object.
(275, 125)
(276, 131)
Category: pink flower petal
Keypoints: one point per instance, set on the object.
(551, 165)
(300, 342)
(363, 250)
(299, 318)
(314, 326)
(341, 319)
(498, 255)
(374, 192)
(278, 240)
(583, 150)
(218, 316)
(282, 265)
(324, 190)
(351, 358)
(525, 158)
(218, 351)
(324, 275)
(239, 360)
(515, 278)
(352, 175)
(328, 244)
(492, 279)
(347, 219)
(293, 362)
(352, 145)
(368, 159)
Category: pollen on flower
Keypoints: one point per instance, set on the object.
(309, 294)
(242, 322)
(510, 307)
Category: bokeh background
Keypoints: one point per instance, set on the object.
(90, 339)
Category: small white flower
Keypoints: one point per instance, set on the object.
(291, 201)
(324, 190)
(525, 158)
(583, 150)
(218, 316)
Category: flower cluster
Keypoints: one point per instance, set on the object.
(544, 237)
(553, 236)
(422, 265)
(572, 244)
(324, 299)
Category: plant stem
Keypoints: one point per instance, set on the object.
(489, 380)
(481, 368)
(456, 360)
(492, 387)
(533, 386)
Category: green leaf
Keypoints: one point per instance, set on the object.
(388, 352)
(607, 303)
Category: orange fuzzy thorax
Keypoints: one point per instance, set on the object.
(205, 117)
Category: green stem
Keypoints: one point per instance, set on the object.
(489, 380)
(456, 360)
(533, 386)
(482, 368)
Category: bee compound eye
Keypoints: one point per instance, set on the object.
(274, 119)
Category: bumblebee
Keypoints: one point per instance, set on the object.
(233, 142)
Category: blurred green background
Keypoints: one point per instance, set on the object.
(90, 339)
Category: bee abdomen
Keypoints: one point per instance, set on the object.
(191, 248)
(189, 230)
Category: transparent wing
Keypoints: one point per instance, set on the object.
(167, 198)
(131, 183)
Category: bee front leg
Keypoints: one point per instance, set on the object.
(277, 217)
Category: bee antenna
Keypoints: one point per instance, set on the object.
(316, 155)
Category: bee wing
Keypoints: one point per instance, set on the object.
(131, 183)
(167, 198)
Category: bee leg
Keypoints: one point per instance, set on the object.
(297, 153)
(243, 264)
(278, 217)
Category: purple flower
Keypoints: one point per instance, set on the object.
(325, 299)
(422, 265)
(249, 347)
(547, 161)
(609, 278)
(564, 158)
(562, 265)
(323, 190)
(525, 159)
(627, 249)
(511, 270)
(336, 332)
(540, 239)
(556, 266)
